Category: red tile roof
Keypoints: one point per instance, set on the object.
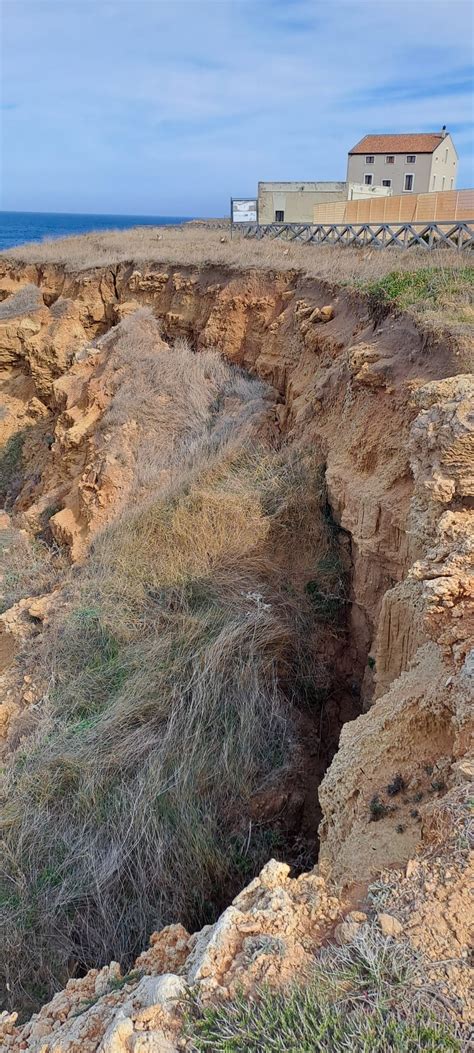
(420, 143)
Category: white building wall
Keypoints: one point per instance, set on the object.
(381, 170)
(444, 166)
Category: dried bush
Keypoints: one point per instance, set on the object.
(26, 301)
(28, 567)
(173, 677)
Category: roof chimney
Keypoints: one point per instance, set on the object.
(443, 132)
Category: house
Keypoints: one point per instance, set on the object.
(405, 164)
(293, 202)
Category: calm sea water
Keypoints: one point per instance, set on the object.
(18, 227)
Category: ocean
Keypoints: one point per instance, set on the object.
(18, 227)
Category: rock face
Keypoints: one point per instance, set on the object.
(425, 634)
(393, 421)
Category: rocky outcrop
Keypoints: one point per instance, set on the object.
(394, 430)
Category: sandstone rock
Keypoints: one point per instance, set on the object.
(303, 309)
(389, 925)
(464, 769)
(348, 929)
(367, 366)
(165, 990)
(37, 409)
(40, 607)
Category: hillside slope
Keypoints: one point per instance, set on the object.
(286, 540)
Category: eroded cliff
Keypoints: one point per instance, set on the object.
(388, 415)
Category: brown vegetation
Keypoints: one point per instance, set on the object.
(198, 246)
(174, 669)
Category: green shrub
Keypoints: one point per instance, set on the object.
(378, 810)
(359, 999)
(422, 289)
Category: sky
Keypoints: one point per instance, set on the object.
(169, 107)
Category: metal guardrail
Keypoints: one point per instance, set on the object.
(455, 234)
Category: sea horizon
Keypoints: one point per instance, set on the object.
(20, 227)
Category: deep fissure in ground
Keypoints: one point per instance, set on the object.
(321, 689)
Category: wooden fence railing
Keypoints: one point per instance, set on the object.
(455, 235)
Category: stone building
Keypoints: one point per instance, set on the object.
(405, 164)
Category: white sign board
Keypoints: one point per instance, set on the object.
(243, 210)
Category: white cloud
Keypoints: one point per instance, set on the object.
(120, 101)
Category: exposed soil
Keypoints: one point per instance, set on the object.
(387, 410)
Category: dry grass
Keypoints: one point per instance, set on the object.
(28, 567)
(26, 301)
(173, 678)
(189, 245)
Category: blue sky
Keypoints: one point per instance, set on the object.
(167, 107)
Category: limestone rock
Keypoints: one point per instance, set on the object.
(118, 1032)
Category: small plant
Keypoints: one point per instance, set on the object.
(400, 828)
(396, 785)
(11, 458)
(328, 591)
(438, 785)
(359, 999)
(117, 982)
(378, 810)
(423, 289)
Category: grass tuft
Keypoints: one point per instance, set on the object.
(426, 289)
(358, 999)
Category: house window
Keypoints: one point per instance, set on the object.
(411, 158)
(386, 182)
(279, 216)
(446, 156)
(442, 183)
(390, 159)
(408, 181)
(434, 182)
(452, 184)
(368, 179)
(369, 159)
